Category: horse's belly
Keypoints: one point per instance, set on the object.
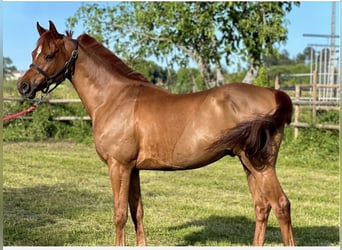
(151, 164)
(188, 158)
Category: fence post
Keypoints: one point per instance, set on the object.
(276, 82)
(314, 96)
(296, 114)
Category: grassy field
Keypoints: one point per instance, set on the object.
(58, 193)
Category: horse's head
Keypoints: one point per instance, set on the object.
(52, 62)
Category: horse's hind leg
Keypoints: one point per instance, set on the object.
(269, 186)
(262, 210)
(269, 192)
(136, 207)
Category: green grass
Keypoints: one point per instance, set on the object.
(58, 193)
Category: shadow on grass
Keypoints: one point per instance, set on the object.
(47, 215)
(50, 216)
(239, 230)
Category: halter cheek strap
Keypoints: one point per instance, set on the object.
(67, 70)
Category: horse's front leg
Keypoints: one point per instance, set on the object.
(120, 179)
(136, 207)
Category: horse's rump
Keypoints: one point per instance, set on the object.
(255, 137)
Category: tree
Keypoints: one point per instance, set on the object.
(188, 80)
(207, 33)
(282, 58)
(8, 68)
(153, 72)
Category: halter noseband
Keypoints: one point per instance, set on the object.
(67, 70)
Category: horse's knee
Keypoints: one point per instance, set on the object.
(282, 209)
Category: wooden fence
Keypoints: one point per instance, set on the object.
(303, 97)
(306, 96)
(314, 106)
(53, 101)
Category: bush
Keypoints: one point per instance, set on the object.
(43, 127)
(311, 148)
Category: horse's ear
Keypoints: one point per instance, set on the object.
(40, 29)
(54, 30)
(53, 27)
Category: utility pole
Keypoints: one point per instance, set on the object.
(332, 46)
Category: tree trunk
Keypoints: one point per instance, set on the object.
(218, 68)
(203, 66)
(251, 74)
(219, 74)
(204, 69)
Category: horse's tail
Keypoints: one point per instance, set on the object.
(255, 137)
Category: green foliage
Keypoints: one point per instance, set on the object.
(312, 149)
(236, 76)
(206, 32)
(188, 80)
(282, 70)
(262, 78)
(8, 67)
(42, 126)
(9, 88)
(328, 116)
(153, 72)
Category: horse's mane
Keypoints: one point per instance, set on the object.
(108, 59)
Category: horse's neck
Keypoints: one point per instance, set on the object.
(93, 83)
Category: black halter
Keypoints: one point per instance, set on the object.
(67, 70)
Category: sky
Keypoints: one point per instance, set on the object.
(20, 32)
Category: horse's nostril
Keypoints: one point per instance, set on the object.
(25, 88)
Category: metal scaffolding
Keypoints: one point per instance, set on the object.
(325, 60)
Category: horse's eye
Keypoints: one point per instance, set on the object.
(50, 57)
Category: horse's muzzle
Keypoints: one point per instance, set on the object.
(27, 90)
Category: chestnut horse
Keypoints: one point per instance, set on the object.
(138, 126)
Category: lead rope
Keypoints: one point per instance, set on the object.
(25, 111)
